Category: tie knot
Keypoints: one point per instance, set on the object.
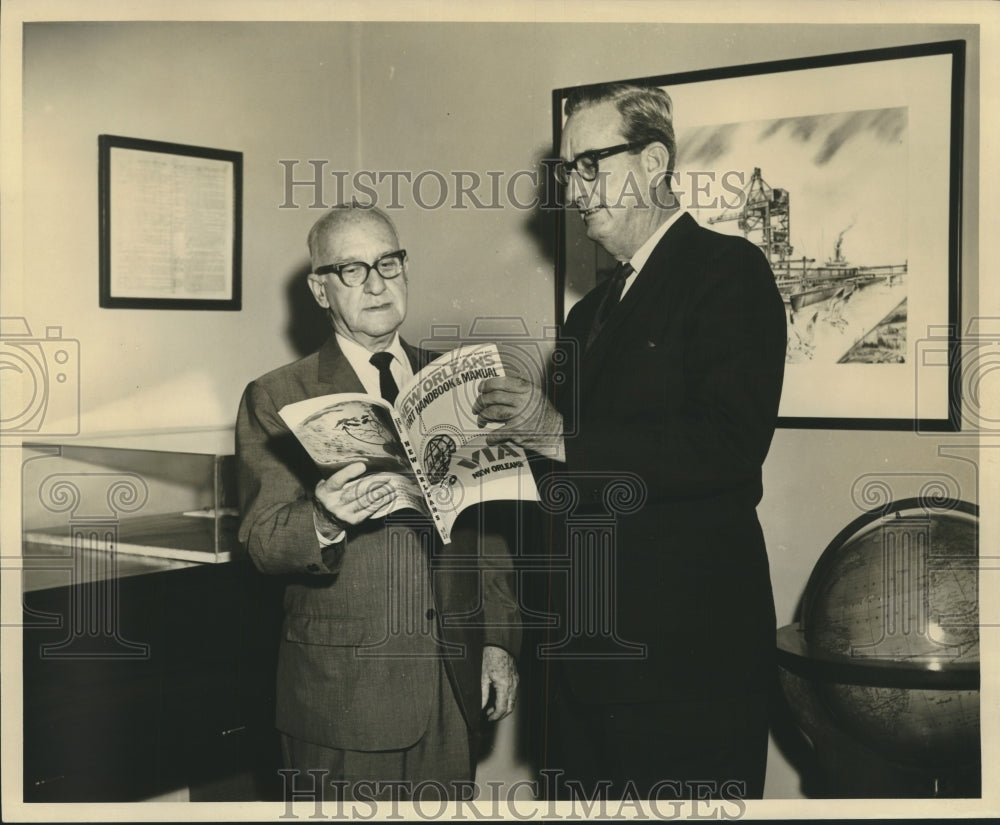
(622, 271)
(617, 285)
(381, 360)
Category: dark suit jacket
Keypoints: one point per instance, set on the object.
(680, 391)
(363, 634)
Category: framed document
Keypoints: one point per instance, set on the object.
(170, 225)
(846, 171)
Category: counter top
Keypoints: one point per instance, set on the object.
(46, 566)
(145, 544)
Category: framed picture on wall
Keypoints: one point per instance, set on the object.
(846, 171)
(170, 225)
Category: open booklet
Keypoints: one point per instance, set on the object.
(430, 436)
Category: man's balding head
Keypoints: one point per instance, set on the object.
(343, 216)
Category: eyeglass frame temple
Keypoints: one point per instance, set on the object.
(568, 167)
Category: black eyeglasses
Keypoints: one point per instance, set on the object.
(585, 164)
(355, 273)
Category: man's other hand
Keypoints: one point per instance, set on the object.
(529, 419)
(500, 672)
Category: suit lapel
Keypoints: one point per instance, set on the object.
(646, 293)
(419, 358)
(336, 370)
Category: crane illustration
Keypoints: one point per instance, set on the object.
(764, 216)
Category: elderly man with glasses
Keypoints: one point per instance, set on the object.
(393, 644)
(680, 359)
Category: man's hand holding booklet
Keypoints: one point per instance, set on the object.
(430, 437)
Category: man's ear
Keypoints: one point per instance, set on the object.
(318, 288)
(656, 157)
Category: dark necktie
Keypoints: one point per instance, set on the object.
(386, 383)
(611, 298)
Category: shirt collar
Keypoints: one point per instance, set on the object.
(638, 260)
(360, 357)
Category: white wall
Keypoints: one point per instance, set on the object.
(391, 97)
(271, 92)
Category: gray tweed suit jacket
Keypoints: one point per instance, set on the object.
(368, 620)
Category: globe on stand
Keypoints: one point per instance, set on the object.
(883, 665)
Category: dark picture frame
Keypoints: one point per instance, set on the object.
(868, 146)
(170, 225)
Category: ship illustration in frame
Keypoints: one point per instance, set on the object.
(837, 294)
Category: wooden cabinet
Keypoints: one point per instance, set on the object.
(179, 693)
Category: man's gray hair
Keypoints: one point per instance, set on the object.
(647, 112)
(342, 215)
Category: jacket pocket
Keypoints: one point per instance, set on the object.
(320, 630)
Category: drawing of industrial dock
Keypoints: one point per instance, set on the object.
(838, 311)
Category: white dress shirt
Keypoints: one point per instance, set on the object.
(360, 360)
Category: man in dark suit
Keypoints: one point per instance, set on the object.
(392, 642)
(681, 359)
